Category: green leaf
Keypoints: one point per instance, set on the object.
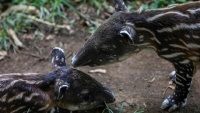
(181, 1)
(153, 6)
(139, 111)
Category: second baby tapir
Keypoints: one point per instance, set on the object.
(172, 32)
(64, 88)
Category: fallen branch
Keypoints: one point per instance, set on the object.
(48, 23)
(31, 54)
(2, 54)
(33, 10)
(34, 55)
(23, 8)
(17, 42)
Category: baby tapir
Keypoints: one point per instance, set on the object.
(173, 32)
(64, 88)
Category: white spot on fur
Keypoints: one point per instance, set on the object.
(85, 91)
(113, 46)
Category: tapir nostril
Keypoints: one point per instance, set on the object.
(76, 62)
(111, 99)
(109, 96)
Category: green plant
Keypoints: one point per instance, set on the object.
(4, 40)
(139, 111)
(120, 110)
(51, 11)
(107, 109)
(110, 111)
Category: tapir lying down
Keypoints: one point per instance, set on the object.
(63, 88)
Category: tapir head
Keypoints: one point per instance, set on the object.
(113, 41)
(75, 90)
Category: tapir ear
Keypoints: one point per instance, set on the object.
(58, 57)
(128, 33)
(120, 5)
(60, 88)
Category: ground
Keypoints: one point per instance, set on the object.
(138, 82)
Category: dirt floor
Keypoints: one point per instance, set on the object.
(138, 82)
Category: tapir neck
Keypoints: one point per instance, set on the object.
(161, 27)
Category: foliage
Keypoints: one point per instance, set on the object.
(49, 10)
(120, 110)
(110, 111)
(3, 40)
(139, 111)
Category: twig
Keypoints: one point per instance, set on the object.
(38, 48)
(169, 86)
(48, 23)
(25, 8)
(35, 55)
(98, 71)
(17, 42)
(31, 9)
(69, 54)
(13, 45)
(75, 10)
(152, 80)
(165, 91)
(3, 54)
(31, 54)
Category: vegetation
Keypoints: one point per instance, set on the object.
(109, 110)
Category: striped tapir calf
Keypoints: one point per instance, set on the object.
(61, 90)
(173, 32)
